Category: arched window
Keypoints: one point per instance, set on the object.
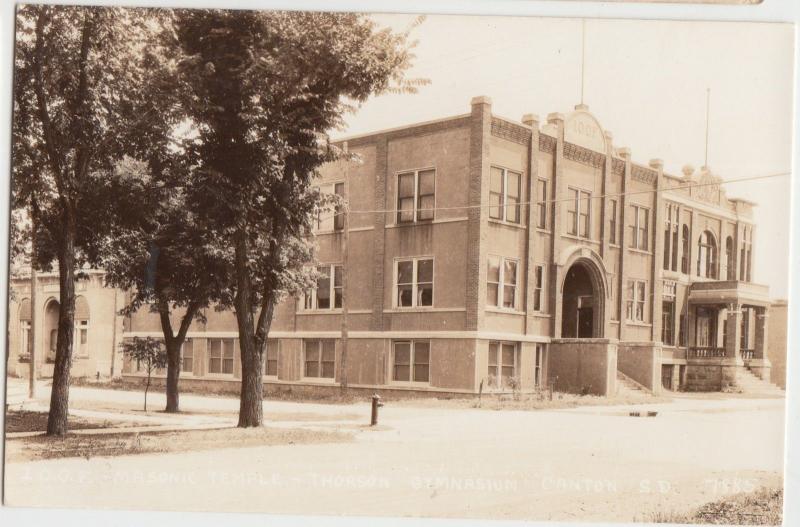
(730, 258)
(707, 255)
(685, 250)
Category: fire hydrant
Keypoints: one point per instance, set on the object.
(376, 403)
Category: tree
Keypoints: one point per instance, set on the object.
(80, 107)
(147, 352)
(156, 251)
(264, 89)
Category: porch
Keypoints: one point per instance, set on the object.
(727, 330)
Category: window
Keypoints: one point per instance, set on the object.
(220, 356)
(327, 289)
(81, 345)
(187, 356)
(415, 195)
(640, 218)
(730, 259)
(538, 365)
(707, 255)
(745, 261)
(271, 358)
(578, 212)
(331, 220)
(26, 344)
(744, 338)
(541, 204)
(538, 288)
(504, 195)
(503, 363)
(414, 279)
(612, 221)
(501, 288)
(706, 328)
(320, 358)
(685, 250)
(671, 238)
(411, 361)
(612, 293)
(637, 293)
(668, 314)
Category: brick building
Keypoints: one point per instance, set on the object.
(510, 254)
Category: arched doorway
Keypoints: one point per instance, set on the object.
(51, 329)
(582, 303)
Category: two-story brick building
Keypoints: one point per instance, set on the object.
(484, 254)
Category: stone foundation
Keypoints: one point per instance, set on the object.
(583, 366)
(713, 375)
(641, 361)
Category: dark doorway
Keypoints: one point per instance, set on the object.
(666, 376)
(579, 304)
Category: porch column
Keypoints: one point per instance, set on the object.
(733, 331)
(761, 345)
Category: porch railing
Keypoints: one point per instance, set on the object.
(706, 352)
(747, 354)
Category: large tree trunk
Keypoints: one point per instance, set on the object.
(59, 396)
(251, 411)
(173, 374)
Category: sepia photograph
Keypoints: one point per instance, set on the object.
(375, 265)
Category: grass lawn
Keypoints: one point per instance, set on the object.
(28, 421)
(128, 443)
(538, 401)
(761, 507)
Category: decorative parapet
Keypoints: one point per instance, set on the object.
(583, 155)
(510, 131)
(547, 143)
(645, 175)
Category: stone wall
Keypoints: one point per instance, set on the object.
(641, 361)
(585, 366)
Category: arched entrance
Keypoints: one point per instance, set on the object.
(582, 303)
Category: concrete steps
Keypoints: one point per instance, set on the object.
(628, 387)
(748, 382)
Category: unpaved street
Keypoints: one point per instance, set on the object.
(592, 463)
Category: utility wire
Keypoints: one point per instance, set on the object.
(537, 202)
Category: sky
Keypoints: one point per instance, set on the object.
(645, 81)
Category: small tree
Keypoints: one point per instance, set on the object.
(148, 352)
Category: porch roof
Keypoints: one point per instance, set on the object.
(729, 291)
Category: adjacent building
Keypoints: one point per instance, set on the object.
(503, 255)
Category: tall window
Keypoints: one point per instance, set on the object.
(503, 363)
(683, 331)
(668, 314)
(504, 195)
(730, 259)
(538, 365)
(745, 342)
(187, 356)
(415, 196)
(541, 204)
(271, 358)
(640, 227)
(538, 288)
(671, 227)
(637, 294)
(81, 338)
(579, 212)
(412, 361)
(220, 356)
(328, 294)
(414, 282)
(745, 261)
(706, 328)
(707, 255)
(331, 220)
(685, 250)
(501, 289)
(612, 221)
(319, 358)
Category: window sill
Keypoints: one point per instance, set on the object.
(396, 225)
(638, 324)
(410, 384)
(640, 251)
(505, 311)
(507, 223)
(336, 311)
(543, 231)
(220, 376)
(322, 233)
(323, 381)
(425, 310)
(579, 238)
